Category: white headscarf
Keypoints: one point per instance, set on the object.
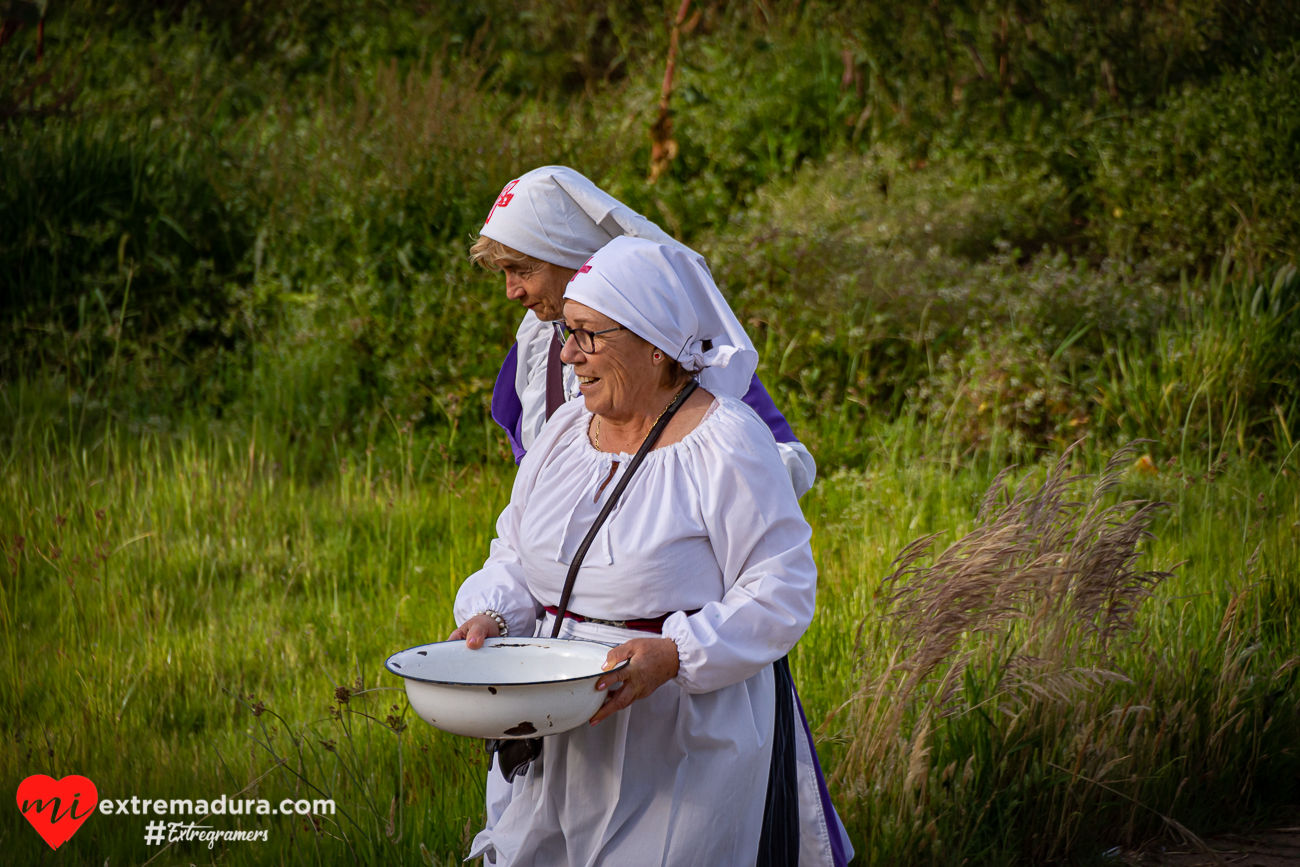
(559, 216)
(662, 293)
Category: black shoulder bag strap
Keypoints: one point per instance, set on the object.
(515, 755)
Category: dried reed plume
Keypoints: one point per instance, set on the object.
(1039, 592)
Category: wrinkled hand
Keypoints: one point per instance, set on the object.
(475, 630)
(654, 663)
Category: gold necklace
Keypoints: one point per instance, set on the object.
(596, 437)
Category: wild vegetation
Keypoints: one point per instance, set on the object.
(245, 369)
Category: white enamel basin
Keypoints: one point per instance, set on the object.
(509, 688)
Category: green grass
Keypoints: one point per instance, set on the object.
(198, 581)
(1199, 730)
(194, 578)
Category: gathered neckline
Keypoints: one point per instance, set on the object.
(587, 416)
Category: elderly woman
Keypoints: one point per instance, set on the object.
(702, 577)
(540, 230)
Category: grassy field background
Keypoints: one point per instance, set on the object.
(245, 369)
(182, 612)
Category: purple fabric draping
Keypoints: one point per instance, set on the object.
(507, 410)
(760, 402)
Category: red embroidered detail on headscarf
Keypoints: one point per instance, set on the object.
(502, 200)
(583, 270)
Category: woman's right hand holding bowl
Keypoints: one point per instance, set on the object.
(475, 631)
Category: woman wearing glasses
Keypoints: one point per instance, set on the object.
(702, 577)
(539, 231)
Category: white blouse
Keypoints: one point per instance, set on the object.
(708, 523)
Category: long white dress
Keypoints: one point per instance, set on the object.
(708, 523)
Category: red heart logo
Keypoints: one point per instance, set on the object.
(54, 807)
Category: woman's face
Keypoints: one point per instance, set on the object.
(619, 379)
(540, 290)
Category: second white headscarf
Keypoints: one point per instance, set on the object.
(558, 215)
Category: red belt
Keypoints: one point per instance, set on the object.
(654, 624)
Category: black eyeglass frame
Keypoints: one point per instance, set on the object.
(576, 333)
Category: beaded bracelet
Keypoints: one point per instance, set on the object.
(501, 621)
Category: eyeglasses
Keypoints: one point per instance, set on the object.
(586, 339)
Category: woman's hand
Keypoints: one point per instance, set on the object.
(475, 630)
(654, 663)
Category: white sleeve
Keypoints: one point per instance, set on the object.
(500, 585)
(533, 339)
(800, 465)
(761, 541)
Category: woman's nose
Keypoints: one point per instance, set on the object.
(570, 353)
(514, 287)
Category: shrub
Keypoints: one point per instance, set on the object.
(1003, 395)
(1216, 172)
(872, 283)
(882, 191)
